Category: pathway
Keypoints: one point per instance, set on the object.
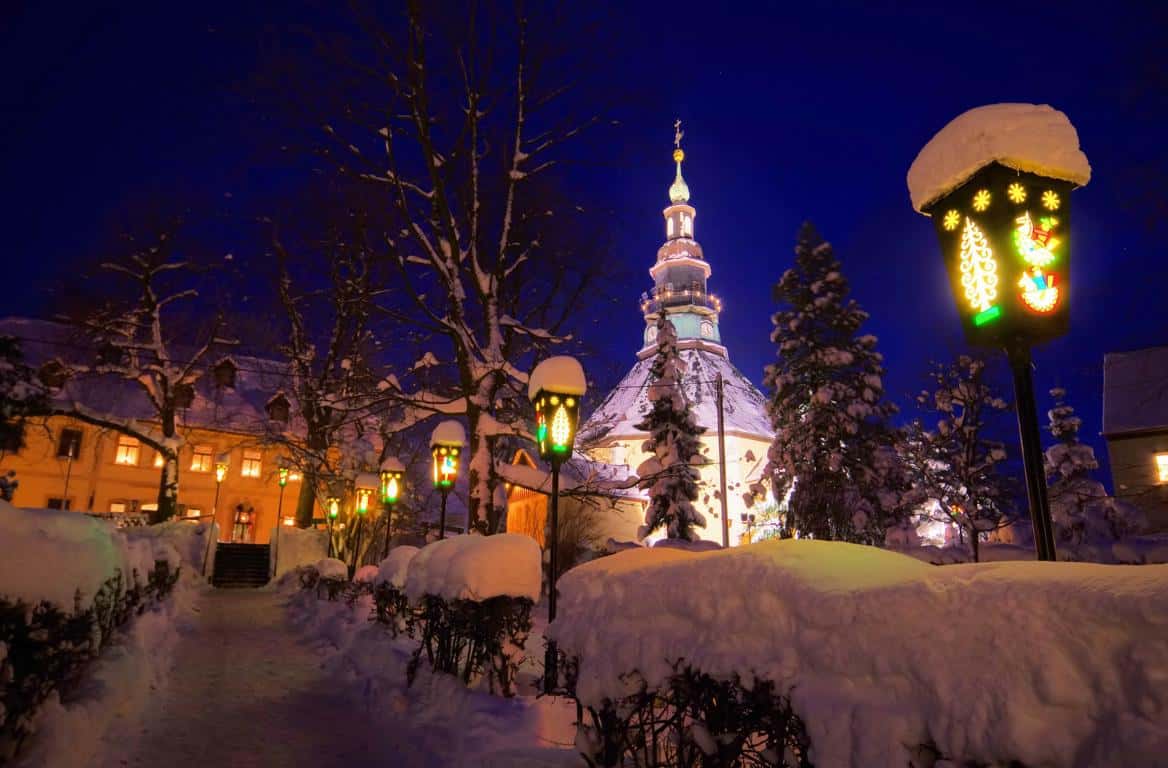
(246, 691)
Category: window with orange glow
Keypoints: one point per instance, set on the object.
(128, 450)
(252, 464)
(1162, 467)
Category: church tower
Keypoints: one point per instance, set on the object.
(680, 274)
(610, 435)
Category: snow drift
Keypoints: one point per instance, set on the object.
(476, 568)
(1027, 137)
(395, 566)
(1045, 663)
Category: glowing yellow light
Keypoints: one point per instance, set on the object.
(570, 401)
(555, 399)
(1035, 243)
(1050, 200)
(363, 501)
(334, 507)
(1038, 290)
(1016, 192)
(979, 271)
(981, 200)
(391, 489)
(952, 219)
(220, 472)
(561, 427)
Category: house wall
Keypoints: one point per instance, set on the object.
(1134, 477)
(96, 480)
(616, 519)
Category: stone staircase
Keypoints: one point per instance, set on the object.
(241, 565)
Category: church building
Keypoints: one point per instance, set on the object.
(680, 276)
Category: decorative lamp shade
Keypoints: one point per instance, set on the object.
(221, 465)
(446, 445)
(332, 507)
(555, 388)
(366, 485)
(392, 480)
(282, 476)
(1004, 235)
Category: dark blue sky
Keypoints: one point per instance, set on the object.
(792, 112)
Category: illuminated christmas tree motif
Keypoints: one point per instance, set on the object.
(979, 271)
(1036, 243)
(1038, 290)
(561, 429)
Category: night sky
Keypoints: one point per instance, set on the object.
(791, 112)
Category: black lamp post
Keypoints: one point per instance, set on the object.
(365, 486)
(555, 388)
(221, 466)
(1003, 234)
(392, 484)
(446, 444)
(332, 506)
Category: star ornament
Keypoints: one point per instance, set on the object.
(1050, 200)
(981, 200)
(1016, 193)
(951, 220)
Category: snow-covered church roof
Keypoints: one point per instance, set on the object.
(744, 407)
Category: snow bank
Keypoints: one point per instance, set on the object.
(396, 565)
(294, 547)
(700, 545)
(52, 555)
(1027, 137)
(178, 542)
(332, 568)
(561, 373)
(366, 574)
(477, 568)
(1045, 663)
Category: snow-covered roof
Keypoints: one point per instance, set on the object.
(241, 408)
(1135, 391)
(1027, 137)
(744, 412)
(561, 373)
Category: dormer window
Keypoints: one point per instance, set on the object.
(278, 408)
(53, 374)
(224, 373)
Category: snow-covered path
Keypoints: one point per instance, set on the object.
(247, 691)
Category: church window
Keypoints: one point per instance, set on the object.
(686, 225)
(669, 227)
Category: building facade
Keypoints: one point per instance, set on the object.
(1135, 426)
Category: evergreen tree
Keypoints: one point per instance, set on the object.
(1080, 507)
(670, 474)
(826, 403)
(21, 395)
(956, 466)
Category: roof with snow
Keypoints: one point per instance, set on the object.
(1036, 138)
(744, 412)
(238, 408)
(1135, 391)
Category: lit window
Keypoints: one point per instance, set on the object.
(251, 464)
(201, 461)
(158, 460)
(669, 226)
(194, 512)
(128, 450)
(118, 507)
(1162, 467)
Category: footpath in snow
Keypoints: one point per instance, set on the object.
(245, 690)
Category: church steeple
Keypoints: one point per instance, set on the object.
(680, 274)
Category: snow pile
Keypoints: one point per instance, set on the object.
(294, 547)
(1044, 663)
(55, 555)
(178, 542)
(561, 373)
(395, 566)
(477, 568)
(1027, 137)
(366, 574)
(701, 545)
(332, 568)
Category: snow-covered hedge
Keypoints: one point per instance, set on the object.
(881, 654)
(295, 547)
(67, 582)
(477, 568)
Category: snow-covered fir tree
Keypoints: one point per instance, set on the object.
(1082, 510)
(670, 474)
(827, 403)
(955, 465)
(22, 395)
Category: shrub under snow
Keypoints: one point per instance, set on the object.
(880, 654)
(477, 568)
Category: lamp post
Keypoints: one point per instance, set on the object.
(555, 388)
(221, 465)
(332, 506)
(446, 444)
(365, 486)
(281, 479)
(1003, 228)
(392, 484)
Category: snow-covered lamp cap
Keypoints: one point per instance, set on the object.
(449, 432)
(562, 374)
(391, 464)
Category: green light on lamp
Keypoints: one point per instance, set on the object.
(987, 315)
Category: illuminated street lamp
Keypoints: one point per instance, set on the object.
(393, 483)
(366, 486)
(282, 473)
(997, 183)
(222, 462)
(555, 388)
(332, 507)
(446, 445)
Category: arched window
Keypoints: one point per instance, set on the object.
(669, 227)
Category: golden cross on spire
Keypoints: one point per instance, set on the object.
(677, 133)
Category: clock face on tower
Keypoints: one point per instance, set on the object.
(707, 329)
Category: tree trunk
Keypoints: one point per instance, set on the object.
(168, 483)
(974, 544)
(479, 499)
(306, 500)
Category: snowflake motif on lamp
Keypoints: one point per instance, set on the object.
(981, 200)
(1050, 200)
(1017, 193)
(952, 219)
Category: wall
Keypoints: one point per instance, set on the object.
(95, 480)
(1133, 475)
